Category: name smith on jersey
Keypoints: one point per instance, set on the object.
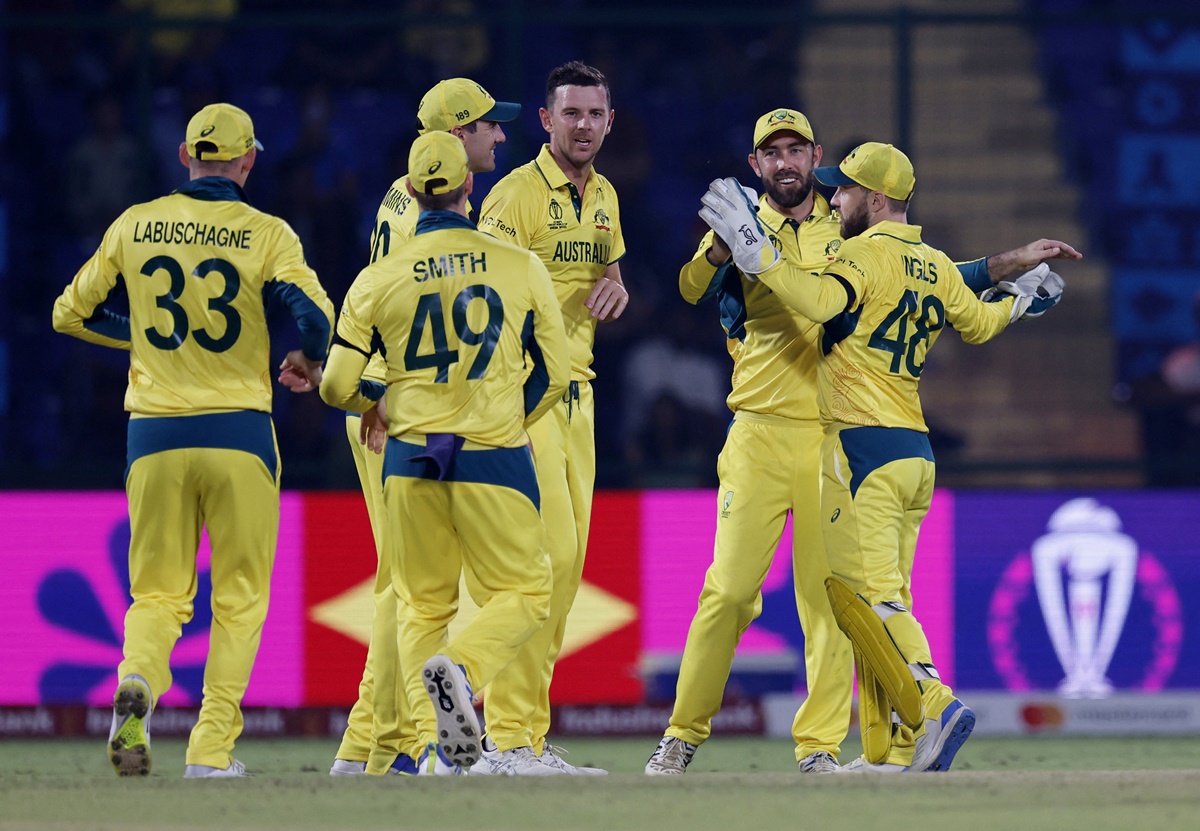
(192, 233)
(447, 265)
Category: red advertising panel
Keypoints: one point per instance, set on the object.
(339, 579)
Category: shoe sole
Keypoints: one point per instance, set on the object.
(129, 749)
(457, 724)
(960, 731)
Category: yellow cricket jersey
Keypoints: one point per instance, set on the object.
(774, 348)
(884, 301)
(453, 312)
(577, 236)
(199, 267)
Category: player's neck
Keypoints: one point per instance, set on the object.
(577, 176)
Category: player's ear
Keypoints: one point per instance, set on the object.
(752, 160)
(408, 186)
(817, 154)
(611, 114)
(184, 158)
(249, 159)
(469, 184)
(544, 114)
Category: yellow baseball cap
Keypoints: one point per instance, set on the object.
(437, 163)
(459, 101)
(874, 166)
(782, 119)
(226, 127)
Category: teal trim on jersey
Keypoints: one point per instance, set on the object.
(246, 430)
(505, 467)
(576, 201)
(899, 239)
(870, 448)
(441, 220)
(373, 390)
(733, 304)
(842, 325)
(110, 324)
(714, 285)
(213, 189)
(310, 320)
(539, 378)
(975, 274)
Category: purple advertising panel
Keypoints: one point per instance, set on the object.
(1078, 594)
(66, 589)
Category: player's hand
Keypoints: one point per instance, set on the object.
(1028, 256)
(1034, 293)
(730, 213)
(607, 300)
(298, 373)
(372, 432)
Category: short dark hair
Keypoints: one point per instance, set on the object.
(575, 74)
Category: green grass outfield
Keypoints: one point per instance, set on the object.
(1021, 783)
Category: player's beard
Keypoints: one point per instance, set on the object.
(789, 196)
(853, 224)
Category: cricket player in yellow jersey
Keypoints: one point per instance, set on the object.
(199, 266)
(454, 313)
(566, 213)
(381, 736)
(770, 464)
(882, 302)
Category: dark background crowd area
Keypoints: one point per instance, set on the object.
(93, 121)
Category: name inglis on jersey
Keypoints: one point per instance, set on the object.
(447, 265)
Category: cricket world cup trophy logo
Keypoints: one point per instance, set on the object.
(1085, 573)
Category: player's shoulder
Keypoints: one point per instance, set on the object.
(526, 177)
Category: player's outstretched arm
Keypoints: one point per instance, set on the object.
(1003, 266)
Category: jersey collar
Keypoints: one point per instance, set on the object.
(898, 230)
(553, 174)
(213, 189)
(440, 220)
(774, 220)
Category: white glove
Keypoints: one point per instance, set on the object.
(730, 213)
(1034, 292)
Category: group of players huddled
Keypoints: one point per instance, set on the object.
(462, 357)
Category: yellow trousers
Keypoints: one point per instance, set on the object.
(380, 726)
(517, 705)
(876, 488)
(768, 468)
(180, 481)
(483, 519)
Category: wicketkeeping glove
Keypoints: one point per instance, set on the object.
(730, 213)
(1034, 292)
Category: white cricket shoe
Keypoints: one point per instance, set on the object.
(345, 767)
(861, 765)
(520, 761)
(236, 770)
(551, 758)
(820, 762)
(943, 737)
(433, 763)
(129, 736)
(670, 758)
(457, 725)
